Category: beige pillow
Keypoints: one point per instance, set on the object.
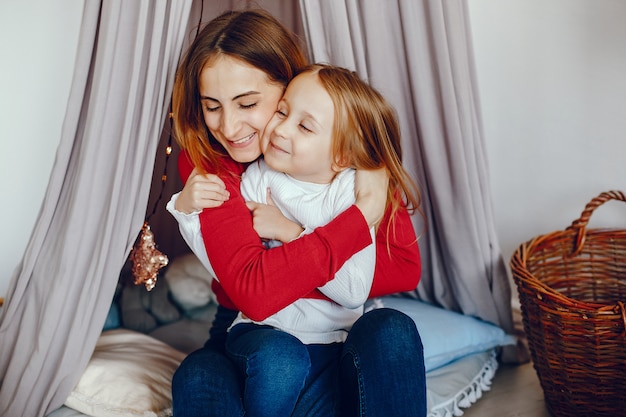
(129, 374)
(189, 282)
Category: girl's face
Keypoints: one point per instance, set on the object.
(298, 138)
(237, 100)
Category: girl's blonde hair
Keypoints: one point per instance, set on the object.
(253, 36)
(366, 133)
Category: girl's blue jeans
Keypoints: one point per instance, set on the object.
(379, 370)
(278, 367)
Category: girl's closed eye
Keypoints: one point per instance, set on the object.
(305, 128)
(281, 110)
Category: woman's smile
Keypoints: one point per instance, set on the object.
(243, 141)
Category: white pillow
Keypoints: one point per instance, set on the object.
(447, 335)
(459, 384)
(128, 375)
(189, 282)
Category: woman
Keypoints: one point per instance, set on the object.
(221, 107)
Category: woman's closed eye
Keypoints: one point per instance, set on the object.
(212, 109)
(248, 106)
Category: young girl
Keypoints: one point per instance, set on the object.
(328, 124)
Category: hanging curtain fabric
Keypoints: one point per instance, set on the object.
(95, 202)
(419, 55)
(164, 226)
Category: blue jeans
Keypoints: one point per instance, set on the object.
(278, 367)
(381, 373)
(382, 367)
(206, 382)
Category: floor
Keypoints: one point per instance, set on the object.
(515, 392)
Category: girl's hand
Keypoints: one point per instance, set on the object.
(370, 189)
(200, 192)
(270, 223)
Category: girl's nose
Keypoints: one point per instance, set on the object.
(281, 129)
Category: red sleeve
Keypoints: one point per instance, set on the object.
(398, 262)
(260, 282)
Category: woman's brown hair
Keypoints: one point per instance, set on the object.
(253, 36)
(366, 133)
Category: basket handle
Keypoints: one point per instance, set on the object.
(580, 224)
(622, 310)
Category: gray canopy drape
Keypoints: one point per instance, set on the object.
(419, 55)
(95, 202)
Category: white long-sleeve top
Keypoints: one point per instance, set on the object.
(312, 205)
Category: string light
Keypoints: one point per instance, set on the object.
(146, 258)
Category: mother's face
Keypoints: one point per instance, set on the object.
(237, 100)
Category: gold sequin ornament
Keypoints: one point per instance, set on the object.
(147, 259)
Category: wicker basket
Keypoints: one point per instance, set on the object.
(572, 289)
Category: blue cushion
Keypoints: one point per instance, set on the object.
(113, 318)
(447, 335)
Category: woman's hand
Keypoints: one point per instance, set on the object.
(200, 192)
(370, 188)
(270, 223)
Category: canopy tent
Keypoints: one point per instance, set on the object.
(418, 54)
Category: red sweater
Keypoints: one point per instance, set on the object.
(260, 282)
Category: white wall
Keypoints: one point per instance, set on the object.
(39, 40)
(552, 82)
